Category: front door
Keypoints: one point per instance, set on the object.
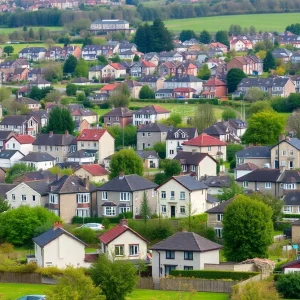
(173, 210)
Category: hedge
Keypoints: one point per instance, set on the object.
(293, 216)
(179, 101)
(79, 220)
(207, 274)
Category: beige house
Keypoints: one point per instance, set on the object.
(98, 141)
(121, 242)
(81, 114)
(257, 155)
(94, 173)
(205, 143)
(181, 196)
(113, 70)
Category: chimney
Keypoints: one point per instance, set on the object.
(123, 222)
(86, 183)
(121, 175)
(57, 224)
(281, 137)
(66, 132)
(50, 133)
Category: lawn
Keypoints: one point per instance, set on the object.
(11, 291)
(12, 29)
(265, 22)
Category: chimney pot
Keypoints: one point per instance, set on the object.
(124, 222)
(57, 224)
(66, 132)
(50, 133)
(121, 175)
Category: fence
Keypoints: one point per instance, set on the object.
(230, 267)
(145, 283)
(20, 277)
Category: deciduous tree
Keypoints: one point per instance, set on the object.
(254, 94)
(60, 121)
(222, 37)
(288, 285)
(204, 117)
(8, 50)
(145, 210)
(4, 205)
(70, 64)
(146, 93)
(186, 35)
(16, 170)
(234, 77)
(228, 114)
(5, 93)
(293, 123)
(82, 68)
(259, 106)
(129, 135)
(204, 72)
(205, 37)
(71, 89)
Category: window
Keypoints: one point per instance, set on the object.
(170, 254)
(23, 197)
(188, 268)
(245, 184)
(193, 168)
(268, 185)
(172, 194)
(171, 151)
(182, 209)
(124, 209)
(124, 196)
(119, 250)
(39, 148)
(53, 199)
(219, 217)
(218, 232)
(241, 160)
(219, 148)
(133, 250)
(209, 148)
(184, 168)
(33, 197)
(163, 208)
(188, 255)
(82, 144)
(290, 186)
(83, 198)
(291, 152)
(14, 145)
(163, 195)
(149, 134)
(51, 148)
(83, 213)
(56, 148)
(143, 134)
(169, 268)
(283, 153)
(109, 211)
(13, 196)
(95, 145)
(182, 195)
(287, 208)
(104, 195)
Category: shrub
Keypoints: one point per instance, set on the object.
(79, 220)
(288, 285)
(105, 223)
(49, 271)
(214, 274)
(87, 235)
(18, 268)
(279, 265)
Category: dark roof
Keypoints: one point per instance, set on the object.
(5, 187)
(15, 120)
(127, 183)
(263, 82)
(7, 154)
(186, 241)
(42, 187)
(164, 91)
(146, 154)
(80, 80)
(217, 181)
(246, 167)
(69, 164)
(190, 183)
(55, 139)
(37, 156)
(152, 110)
(181, 133)
(217, 129)
(290, 176)
(80, 154)
(4, 135)
(184, 78)
(52, 234)
(295, 142)
(261, 175)
(119, 112)
(154, 127)
(292, 197)
(255, 152)
(39, 175)
(291, 263)
(191, 158)
(149, 78)
(219, 209)
(211, 199)
(26, 100)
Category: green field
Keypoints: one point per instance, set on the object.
(12, 29)
(11, 291)
(265, 22)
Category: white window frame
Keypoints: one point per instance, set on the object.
(172, 195)
(23, 197)
(184, 168)
(182, 195)
(245, 184)
(268, 185)
(218, 232)
(124, 196)
(193, 168)
(208, 148)
(124, 209)
(13, 197)
(182, 210)
(118, 250)
(109, 211)
(134, 250)
(163, 209)
(220, 217)
(53, 199)
(163, 195)
(104, 195)
(287, 208)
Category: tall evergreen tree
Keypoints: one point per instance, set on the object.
(187, 35)
(162, 39)
(145, 210)
(269, 62)
(70, 64)
(222, 37)
(205, 37)
(60, 120)
(140, 38)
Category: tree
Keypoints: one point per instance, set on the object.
(53, 72)
(269, 62)
(18, 225)
(261, 54)
(118, 100)
(229, 192)
(136, 58)
(129, 135)
(174, 120)
(293, 123)
(146, 93)
(204, 72)
(71, 89)
(60, 121)
(186, 35)
(5, 93)
(126, 161)
(259, 106)
(4, 205)
(204, 117)
(228, 114)
(145, 210)
(162, 38)
(49, 42)
(102, 60)
(231, 150)
(8, 49)
(205, 37)
(74, 284)
(16, 170)
(31, 34)
(234, 77)
(264, 128)
(70, 64)
(142, 38)
(247, 229)
(53, 96)
(116, 278)
(82, 68)
(254, 94)
(222, 37)
(288, 285)
(116, 59)
(160, 148)
(170, 167)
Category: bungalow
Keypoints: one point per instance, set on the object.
(81, 157)
(150, 158)
(39, 160)
(164, 94)
(257, 155)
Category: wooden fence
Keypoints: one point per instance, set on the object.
(145, 283)
(20, 277)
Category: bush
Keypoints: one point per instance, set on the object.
(279, 265)
(288, 285)
(292, 216)
(18, 268)
(282, 225)
(50, 271)
(87, 235)
(105, 223)
(214, 274)
(79, 220)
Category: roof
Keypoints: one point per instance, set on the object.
(292, 197)
(91, 134)
(38, 157)
(51, 235)
(247, 167)
(4, 135)
(116, 21)
(164, 91)
(291, 263)
(184, 90)
(4, 188)
(261, 175)
(95, 170)
(80, 154)
(127, 183)
(154, 127)
(264, 82)
(217, 129)
(15, 120)
(186, 241)
(149, 78)
(217, 181)
(289, 176)
(81, 80)
(7, 154)
(184, 78)
(151, 110)
(42, 187)
(204, 140)
(212, 199)
(255, 152)
(23, 138)
(55, 139)
(39, 175)
(295, 142)
(191, 158)
(144, 154)
(214, 82)
(119, 112)
(26, 100)
(219, 209)
(189, 182)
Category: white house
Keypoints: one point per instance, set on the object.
(39, 160)
(121, 242)
(183, 251)
(9, 157)
(291, 267)
(244, 169)
(21, 142)
(150, 114)
(81, 157)
(186, 81)
(58, 248)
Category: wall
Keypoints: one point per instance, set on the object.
(106, 147)
(68, 206)
(296, 234)
(21, 277)
(230, 267)
(82, 173)
(207, 167)
(213, 152)
(149, 141)
(213, 222)
(13, 144)
(60, 154)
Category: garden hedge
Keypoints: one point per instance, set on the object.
(79, 220)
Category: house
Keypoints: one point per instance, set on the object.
(244, 169)
(237, 127)
(185, 81)
(58, 248)
(124, 194)
(40, 83)
(82, 113)
(205, 143)
(282, 54)
(168, 68)
(142, 68)
(31, 193)
(218, 45)
(175, 138)
(57, 145)
(292, 266)
(183, 93)
(59, 53)
(29, 103)
(110, 25)
(196, 164)
(152, 57)
(187, 68)
(220, 130)
(4, 137)
(81, 81)
(21, 124)
(250, 65)
(9, 157)
(93, 173)
(170, 56)
(41, 116)
(71, 196)
(112, 71)
(33, 53)
(95, 72)
(99, 141)
(128, 55)
(257, 155)
(122, 242)
(216, 183)
(40, 175)
(183, 251)
(295, 58)
(164, 94)
(288, 38)
(39, 160)
(181, 196)
(155, 82)
(134, 87)
(150, 158)
(81, 157)
(109, 89)
(90, 52)
(214, 88)
(240, 44)
(149, 135)
(296, 80)
(120, 116)
(23, 143)
(149, 114)
(291, 200)
(19, 74)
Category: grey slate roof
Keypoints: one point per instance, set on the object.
(80, 154)
(211, 199)
(184, 78)
(263, 82)
(40, 175)
(144, 154)
(96, 68)
(25, 100)
(127, 183)
(110, 22)
(154, 127)
(37, 156)
(219, 209)
(40, 186)
(15, 120)
(119, 112)
(51, 235)
(4, 188)
(184, 133)
(217, 181)
(190, 183)
(186, 241)
(190, 158)
(149, 78)
(164, 91)
(217, 129)
(4, 134)
(247, 167)
(255, 152)
(295, 142)
(292, 197)
(289, 176)
(261, 175)
(7, 154)
(55, 140)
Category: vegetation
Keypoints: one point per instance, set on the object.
(16, 170)
(228, 114)
(229, 192)
(288, 285)
(222, 37)
(146, 93)
(204, 72)
(170, 167)
(87, 235)
(186, 35)
(293, 123)
(204, 37)
(4, 205)
(234, 77)
(269, 62)
(129, 132)
(174, 120)
(145, 210)
(254, 94)
(70, 64)
(204, 117)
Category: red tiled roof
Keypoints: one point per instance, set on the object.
(91, 134)
(95, 170)
(117, 66)
(23, 138)
(148, 64)
(204, 140)
(160, 110)
(214, 82)
(109, 87)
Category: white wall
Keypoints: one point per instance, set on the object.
(7, 163)
(291, 270)
(207, 167)
(13, 144)
(240, 173)
(42, 165)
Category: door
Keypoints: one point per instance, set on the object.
(291, 165)
(276, 164)
(173, 211)
(168, 268)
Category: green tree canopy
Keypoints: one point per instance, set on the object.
(130, 135)
(5, 93)
(231, 150)
(247, 229)
(160, 148)
(254, 94)
(82, 69)
(145, 210)
(228, 114)
(293, 123)
(4, 205)
(186, 35)
(229, 192)
(222, 37)
(288, 285)
(269, 62)
(71, 89)
(70, 64)
(170, 167)
(174, 120)
(259, 106)
(146, 93)
(126, 161)
(204, 72)
(16, 170)
(102, 60)
(234, 77)
(264, 128)
(8, 50)
(205, 37)
(204, 117)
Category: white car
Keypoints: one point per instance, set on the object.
(93, 226)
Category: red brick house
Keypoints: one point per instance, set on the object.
(121, 116)
(187, 68)
(214, 88)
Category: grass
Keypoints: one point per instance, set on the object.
(90, 250)
(12, 29)
(265, 22)
(11, 291)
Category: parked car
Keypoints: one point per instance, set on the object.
(33, 297)
(93, 226)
